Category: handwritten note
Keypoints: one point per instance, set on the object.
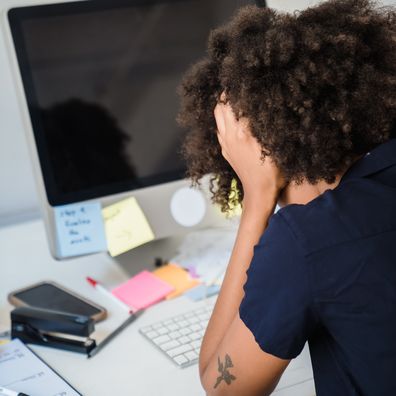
(126, 226)
(80, 229)
(21, 370)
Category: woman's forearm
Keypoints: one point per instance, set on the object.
(254, 220)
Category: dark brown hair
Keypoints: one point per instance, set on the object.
(317, 86)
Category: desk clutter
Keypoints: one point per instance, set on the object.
(169, 281)
(196, 272)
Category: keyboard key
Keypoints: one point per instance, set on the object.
(179, 350)
(168, 322)
(152, 334)
(161, 339)
(173, 327)
(169, 345)
(195, 336)
(194, 327)
(196, 344)
(180, 360)
(185, 331)
(162, 331)
(183, 323)
(184, 340)
(175, 334)
(193, 320)
(191, 355)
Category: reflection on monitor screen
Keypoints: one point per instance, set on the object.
(100, 82)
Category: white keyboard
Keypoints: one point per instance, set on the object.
(180, 337)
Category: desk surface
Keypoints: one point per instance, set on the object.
(129, 365)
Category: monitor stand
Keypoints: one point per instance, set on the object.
(144, 257)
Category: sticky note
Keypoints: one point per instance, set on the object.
(80, 229)
(176, 276)
(126, 226)
(202, 291)
(142, 290)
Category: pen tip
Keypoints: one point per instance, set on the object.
(91, 281)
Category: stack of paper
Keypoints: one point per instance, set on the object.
(22, 371)
(207, 253)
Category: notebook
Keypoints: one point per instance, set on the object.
(22, 370)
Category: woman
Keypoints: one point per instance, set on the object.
(300, 110)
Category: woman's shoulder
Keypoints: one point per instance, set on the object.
(321, 223)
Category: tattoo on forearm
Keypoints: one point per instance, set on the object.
(225, 374)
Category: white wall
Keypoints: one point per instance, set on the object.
(18, 197)
(17, 192)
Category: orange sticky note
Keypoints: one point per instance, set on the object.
(176, 276)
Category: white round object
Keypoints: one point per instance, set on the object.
(188, 206)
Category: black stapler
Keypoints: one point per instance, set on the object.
(53, 329)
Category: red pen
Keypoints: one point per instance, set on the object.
(105, 292)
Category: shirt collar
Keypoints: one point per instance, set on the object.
(381, 157)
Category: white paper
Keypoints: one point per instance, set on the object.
(207, 252)
(22, 371)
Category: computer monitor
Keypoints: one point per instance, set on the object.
(97, 85)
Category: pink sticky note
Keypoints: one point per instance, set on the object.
(142, 290)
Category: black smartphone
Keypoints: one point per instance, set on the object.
(50, 295)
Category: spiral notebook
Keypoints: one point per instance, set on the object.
(22, 370)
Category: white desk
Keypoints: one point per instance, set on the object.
(129, 365)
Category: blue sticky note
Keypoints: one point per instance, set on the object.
(80, 229)
(202, 291)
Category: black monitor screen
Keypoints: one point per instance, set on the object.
(100, 78)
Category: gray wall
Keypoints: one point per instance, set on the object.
(18, 197)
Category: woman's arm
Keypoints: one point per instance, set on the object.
(253, 222)
(227, 341)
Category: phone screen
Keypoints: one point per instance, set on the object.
(48, 296)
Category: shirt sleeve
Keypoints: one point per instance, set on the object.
(277, 306)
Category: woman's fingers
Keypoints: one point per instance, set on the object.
(219, 117)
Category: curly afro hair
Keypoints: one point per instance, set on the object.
(317, 86)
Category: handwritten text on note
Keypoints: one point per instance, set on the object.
(80, 229)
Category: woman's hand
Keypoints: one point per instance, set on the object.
(244, 153)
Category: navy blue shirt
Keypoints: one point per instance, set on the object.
(325, 273)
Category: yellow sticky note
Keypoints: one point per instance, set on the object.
(177, 277)
(126, 226)
(2, 342)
